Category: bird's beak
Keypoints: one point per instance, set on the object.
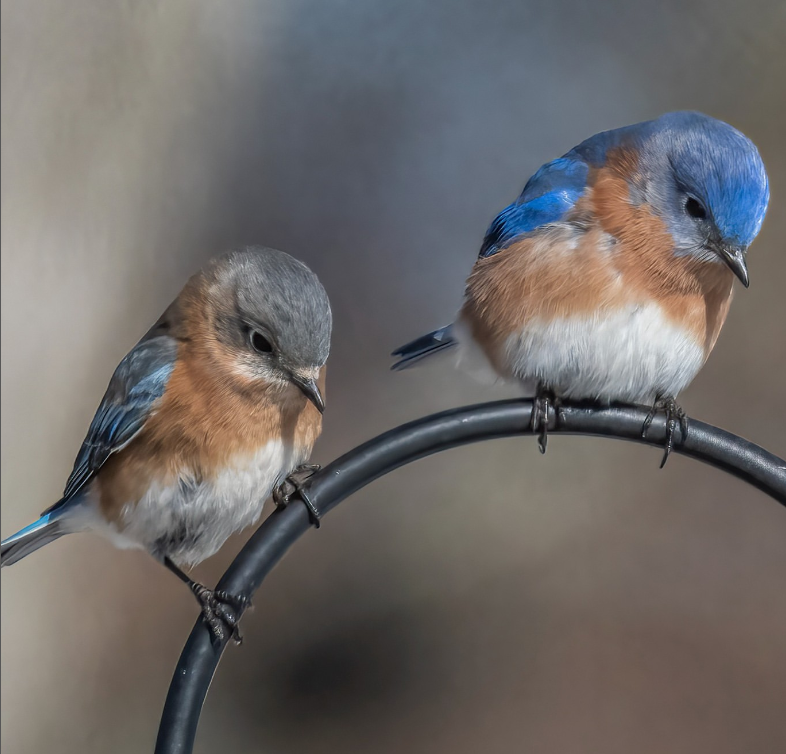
(734, 257)
(311, 390)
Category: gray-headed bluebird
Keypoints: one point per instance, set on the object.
(215, 407)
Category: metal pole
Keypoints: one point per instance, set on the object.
(403, 445)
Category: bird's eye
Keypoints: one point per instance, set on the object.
(694, 209)
(260, 343)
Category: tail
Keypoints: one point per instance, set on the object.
(47, 529)
(425, 345)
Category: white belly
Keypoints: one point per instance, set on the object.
(630, 355)
(189, 520)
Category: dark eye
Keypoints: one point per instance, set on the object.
(260, 343)
(694, 209)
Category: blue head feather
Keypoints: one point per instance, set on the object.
(690, 155)
(718, 166)
(681, 155)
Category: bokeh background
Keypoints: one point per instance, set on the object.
(488, 599)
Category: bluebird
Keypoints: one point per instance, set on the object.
(610, 277)
(217, 405)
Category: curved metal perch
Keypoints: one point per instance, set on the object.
(398, 447)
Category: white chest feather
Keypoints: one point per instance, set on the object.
(630, 355)
(190, 519)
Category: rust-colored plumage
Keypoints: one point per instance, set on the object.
(211, 417)
(607, 255)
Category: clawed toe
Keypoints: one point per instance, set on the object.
(295, 485)
(674, 415)
(544, 401)
(218, 608)
(238, 601)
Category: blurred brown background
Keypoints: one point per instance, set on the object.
(488, 599)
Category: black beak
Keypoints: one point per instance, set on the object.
(310, 389)
(734, 257)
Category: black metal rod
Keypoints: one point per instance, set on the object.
(403, 445)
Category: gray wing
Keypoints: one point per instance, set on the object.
(137, 384)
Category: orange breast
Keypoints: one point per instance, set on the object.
(208, 419)
(607, 255)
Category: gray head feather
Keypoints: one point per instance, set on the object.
(276, 293)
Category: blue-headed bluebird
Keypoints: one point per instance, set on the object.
(215, 407)
(610, 277)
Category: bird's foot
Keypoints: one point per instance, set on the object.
(544, 401)
(674, 414)
(221, 611)
(296, 484)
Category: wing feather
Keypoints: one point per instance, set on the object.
(136, 387)
(548, 196)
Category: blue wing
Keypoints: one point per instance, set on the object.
(137, 384)
(546, 198)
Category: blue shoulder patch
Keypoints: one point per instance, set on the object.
(546, 198)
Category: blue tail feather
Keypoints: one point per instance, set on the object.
(41, 532)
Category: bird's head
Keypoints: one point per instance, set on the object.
(270, 319)
(706, 181)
